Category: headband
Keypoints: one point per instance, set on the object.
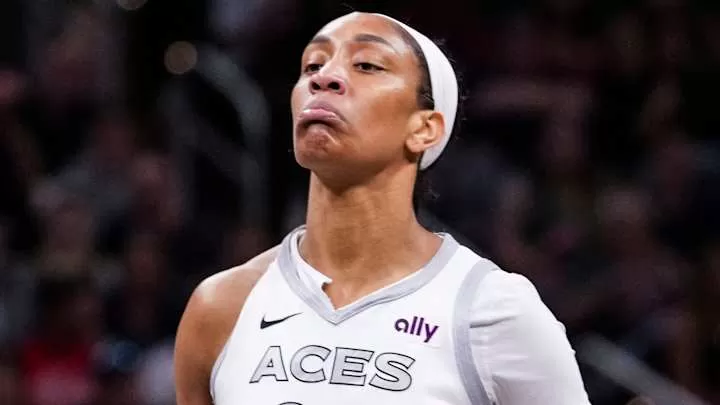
(444, 88)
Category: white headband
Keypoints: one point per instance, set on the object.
(444, 88)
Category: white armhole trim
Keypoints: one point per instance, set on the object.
(461, 334)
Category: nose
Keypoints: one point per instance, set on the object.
(327, 82)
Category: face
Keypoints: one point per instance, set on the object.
(354, 107)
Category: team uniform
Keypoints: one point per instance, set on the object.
(458, 331)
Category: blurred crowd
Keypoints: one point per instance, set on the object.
(588, 159)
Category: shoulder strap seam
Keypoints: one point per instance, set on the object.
(469, 374)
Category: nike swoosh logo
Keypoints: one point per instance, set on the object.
(265, 324)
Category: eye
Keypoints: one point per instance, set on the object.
(312, 67)
(368, 67)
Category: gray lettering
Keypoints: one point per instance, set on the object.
(271, 365)
(296, 364)
(349, 365)
(392, 372)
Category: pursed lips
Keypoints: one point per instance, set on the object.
(319, 112)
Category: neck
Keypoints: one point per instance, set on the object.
(367, 232)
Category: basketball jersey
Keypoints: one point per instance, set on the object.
(407, 343)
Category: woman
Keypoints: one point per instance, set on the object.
(363, 305)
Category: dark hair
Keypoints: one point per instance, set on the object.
(425, 101)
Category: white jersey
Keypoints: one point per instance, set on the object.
(408, 343)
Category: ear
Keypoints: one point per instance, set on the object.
(426, 129)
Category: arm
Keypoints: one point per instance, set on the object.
(521, 351)
(207, 323)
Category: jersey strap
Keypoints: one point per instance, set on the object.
(461, 334)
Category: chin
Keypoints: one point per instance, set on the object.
(312, 149)
(334, 172)
(314, 159)
(320, 162)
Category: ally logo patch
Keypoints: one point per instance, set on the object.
(417, 326)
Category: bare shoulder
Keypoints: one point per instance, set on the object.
(218, 299)
(231, 286)
(208, 321)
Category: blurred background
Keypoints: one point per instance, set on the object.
(146, 144)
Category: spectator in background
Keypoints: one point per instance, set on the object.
(20, 162)
(129, 375)
(511, 246)
(468, 202)
(116, 365)
(242, 243)
(158, 206)
(157, 195)
(155, 375)
(56, 360)
(100, 175)
(17, 285)
(672, 174)
(145, 309)
(645, 281)
(64, 99)
(248, 24)
(622, 89)
(562, 212)
(68, 246)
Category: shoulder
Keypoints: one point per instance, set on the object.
(509, 317)
(520, 349)
(505, 295)
(234, 283)
(220, 297)
(495, 288)
(206, 324)
(216, 302)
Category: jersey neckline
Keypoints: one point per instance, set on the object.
(315, 297)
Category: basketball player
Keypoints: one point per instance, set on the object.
(363, 305)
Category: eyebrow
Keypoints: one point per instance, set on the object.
(371, 38)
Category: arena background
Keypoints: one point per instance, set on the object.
(145, 144)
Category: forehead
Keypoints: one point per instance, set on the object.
(350, 26)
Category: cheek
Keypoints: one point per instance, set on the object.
(381, 138)
(387, 116)
(297, 97)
